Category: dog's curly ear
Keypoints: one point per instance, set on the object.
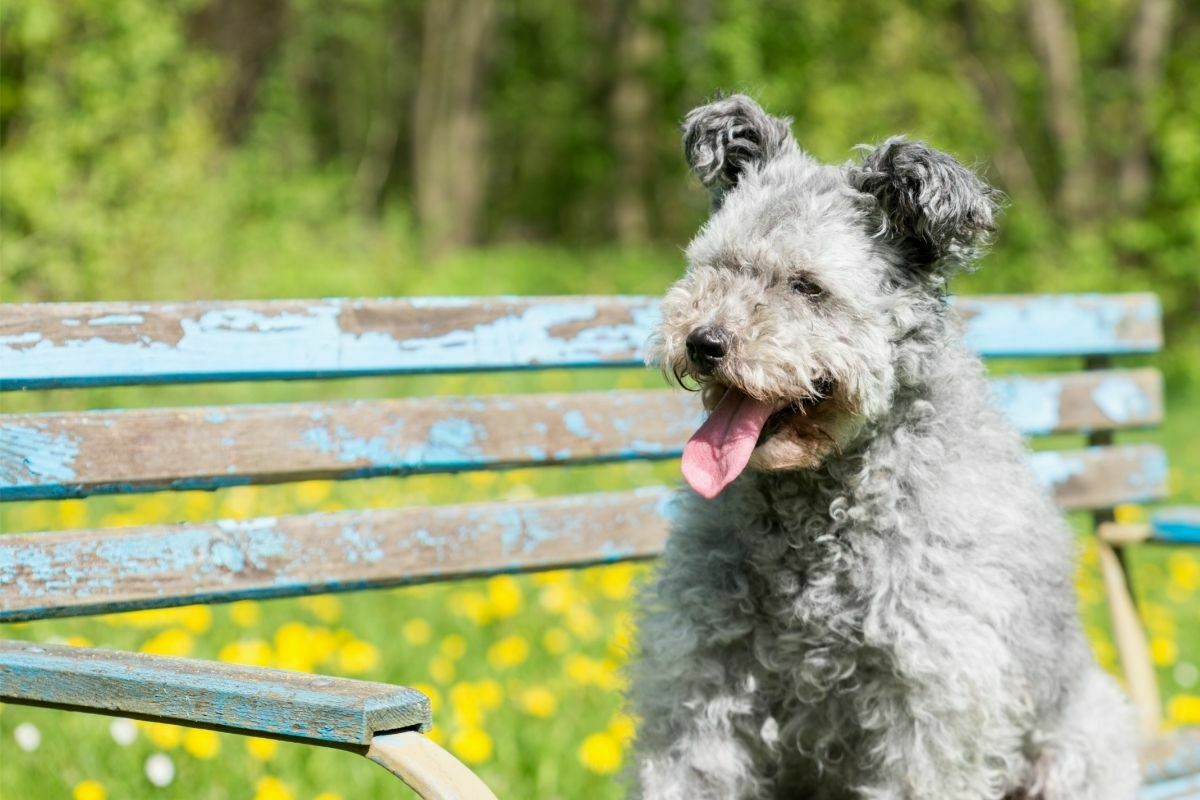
(938, 211)
(723, 139)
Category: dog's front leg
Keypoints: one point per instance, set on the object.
(704, 735)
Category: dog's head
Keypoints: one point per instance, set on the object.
(809, 287)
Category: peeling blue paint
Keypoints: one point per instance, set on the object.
(576, 425)
(216, 417)
(1121, 399)
(1055, 325)
(29, 454)
(1053, 468)
(117, 319)
(1031, 404)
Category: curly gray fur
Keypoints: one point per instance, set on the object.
(899, 622)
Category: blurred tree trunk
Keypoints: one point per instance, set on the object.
(634, 122)
(450, 123)
(1145, 51)
(249, 33)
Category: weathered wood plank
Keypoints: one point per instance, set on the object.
(80, 454)
(1183, 788)
(1174, 756)
(1102, 477)
(84, 572)
(92, 571)
(252, 700)
(95, 344)
(1097, 400)
(72, 455)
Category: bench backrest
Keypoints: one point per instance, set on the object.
(68, 455)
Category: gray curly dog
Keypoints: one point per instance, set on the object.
(865, 594)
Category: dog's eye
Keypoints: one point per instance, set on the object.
(806, 287)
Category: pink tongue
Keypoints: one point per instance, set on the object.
(719, 451)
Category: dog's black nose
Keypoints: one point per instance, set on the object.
(706, 347)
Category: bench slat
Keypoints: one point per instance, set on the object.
(97, 344)
(105, 452)
(254, 700)
(93, 571)
(86, 572)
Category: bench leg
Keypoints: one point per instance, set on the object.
(1131, 642)
(429, 770)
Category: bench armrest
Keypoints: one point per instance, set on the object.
(1174, 525)
(383, 722)
(251, 700)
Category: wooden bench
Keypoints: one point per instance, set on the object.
(69, 455)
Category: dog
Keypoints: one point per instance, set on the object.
(865, 593)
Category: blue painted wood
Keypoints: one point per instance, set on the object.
(89, 572)
(1174, 756)
(81, 454)
(1179, 525)
(1184, 788)
(85, 572)
(255, 700)
(95, 344)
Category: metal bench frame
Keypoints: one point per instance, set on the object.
(62, 455)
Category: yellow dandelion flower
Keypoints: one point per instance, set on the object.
(608, 675)
(1163, 651)
(508, 652)
(481, 480)
(357, 656)
(430, 691)
(1184, 570)
(616, 582)
(488, 693)
(581, 669)
(78, 641)
(72, 514)
(269, 788)
(417, 631)
(436, 735)
(582, 622)
(328, 796)
(196, 619)
(538, 701)
(556, 576)
(556, 641)
(472, 745)
(621, 643)
(1184, 709)
(201, 744)
(441, 669)
(1129, 514)
(555, 597)
(261, 749)
(468, 712)
(163, 735)
(324, 607)
(293, 647)
(171, 642)
(622, 727)
(89, 790)
(245, 613)
(312, 493)
(454, 646)
(601, 753)
(252, 653)
(504, 595)
(472, 605)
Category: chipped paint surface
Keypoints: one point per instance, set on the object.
(1177, 524)
(248, 699)
(1121, 399)
(1032, 405)
(155, 343)
(29, 454)
(61, 574)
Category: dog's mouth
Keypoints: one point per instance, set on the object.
(738, 424)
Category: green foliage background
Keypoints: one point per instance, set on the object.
(159, 150)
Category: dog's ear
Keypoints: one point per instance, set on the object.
(725, 138)
(939, 212)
